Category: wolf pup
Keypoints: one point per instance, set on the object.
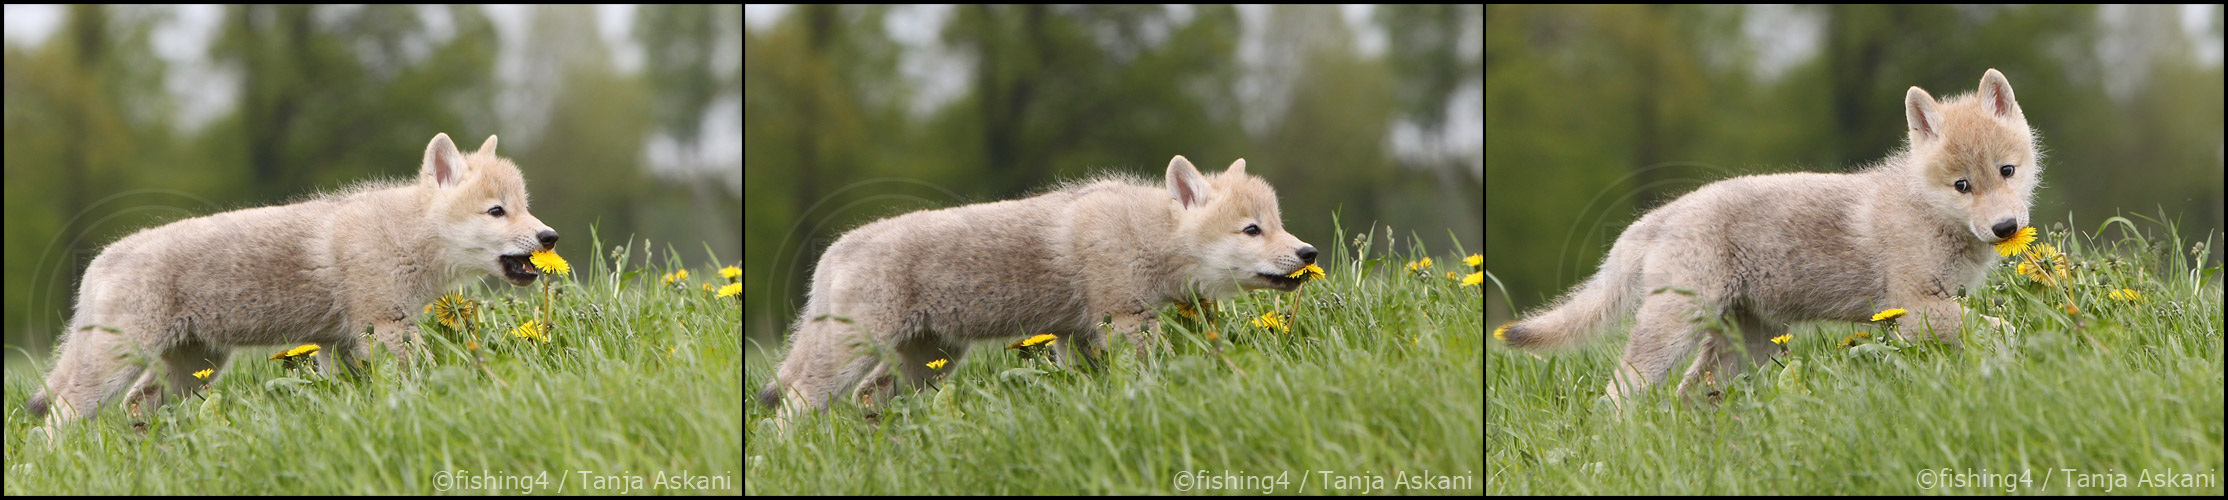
(186, 293)
(1761, 251)
(921, 286)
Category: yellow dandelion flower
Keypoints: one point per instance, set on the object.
(532, 330)
(939, 363)
(1033, 346)
(1419, 265)
(730, 272)
(303, 350)
(450, 310)
(2016, 243)
(1473, 278)
(2125, 294)
(1782, 340)
(1187, 311)
(1269, 320)
(732, 289)
(1312, 272)
(707, 287)
(1502, 333)
(203, 374)
(549, 262)
(2033, 273)
(2045, 265)
(1474, 260)
(681, 275)
(1889, 314)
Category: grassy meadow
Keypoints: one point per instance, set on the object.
(1367, 380)
(2111, 384)
(627, 385)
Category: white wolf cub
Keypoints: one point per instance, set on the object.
(1762, 251)
(925, 284)
(163, 303)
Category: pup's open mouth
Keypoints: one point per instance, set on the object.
(517, 271)
(1282, 282)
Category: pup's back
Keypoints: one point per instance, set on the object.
(259, 273)
(967, 266)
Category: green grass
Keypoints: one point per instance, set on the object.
(637, 383)
(1378, 381)
(2115, 390)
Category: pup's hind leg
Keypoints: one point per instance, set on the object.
(96, 365)
(829, 357)
(1721, 358)
(1663, 332)
(173, 379)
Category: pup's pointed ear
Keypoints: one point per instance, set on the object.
(443, 164)
(1919, 113)
(1236, 168)
(1996, 96)
(487, 148)
(1185, 184)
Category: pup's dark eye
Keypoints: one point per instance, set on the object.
(2006, 169)
(1253, 230)
(498, 209)
(1962, 186)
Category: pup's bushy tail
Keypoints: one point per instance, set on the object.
(1593, 305)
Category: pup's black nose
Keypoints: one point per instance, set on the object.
(2004, 228)
(1307, 253)
(548, 237)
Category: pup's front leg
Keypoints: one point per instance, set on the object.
(1143, 329)
(1937, 318)
(400, 335)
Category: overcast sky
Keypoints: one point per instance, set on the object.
(184, 39)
